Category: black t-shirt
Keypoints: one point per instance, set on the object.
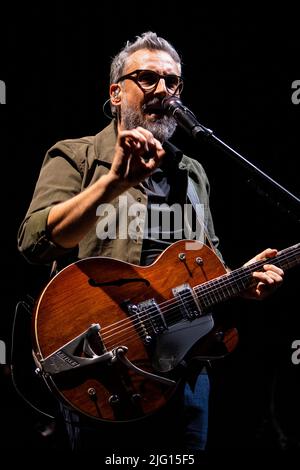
(166, 198)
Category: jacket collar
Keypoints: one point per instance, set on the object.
(105, 142)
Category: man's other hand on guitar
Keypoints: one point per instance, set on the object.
(268, 280)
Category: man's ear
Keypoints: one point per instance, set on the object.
(115, 94)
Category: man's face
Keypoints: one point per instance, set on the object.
(142, 109)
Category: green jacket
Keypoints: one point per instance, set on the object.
(69, 167)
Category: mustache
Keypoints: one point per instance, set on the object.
(154, 104)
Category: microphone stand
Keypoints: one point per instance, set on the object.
(187, 120)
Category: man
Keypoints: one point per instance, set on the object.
(131, 158)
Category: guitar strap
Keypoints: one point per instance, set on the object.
(198, 207)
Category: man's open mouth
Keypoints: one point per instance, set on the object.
(153, 109)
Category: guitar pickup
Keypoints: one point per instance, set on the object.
(150, 319)
(187, 302)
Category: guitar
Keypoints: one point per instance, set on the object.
(111, 339)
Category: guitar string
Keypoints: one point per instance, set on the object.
(145, 316)
(164, 307)
(224, 279)
(185, 299)
(123, 335)
(191, 299)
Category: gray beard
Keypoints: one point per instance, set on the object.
(162, 129)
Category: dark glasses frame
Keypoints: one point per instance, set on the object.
(134, 76)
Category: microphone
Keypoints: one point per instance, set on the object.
(184, 117)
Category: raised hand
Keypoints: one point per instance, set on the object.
(137, 154)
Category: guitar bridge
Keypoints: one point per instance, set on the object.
(187, 302)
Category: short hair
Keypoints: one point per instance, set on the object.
(148, 40)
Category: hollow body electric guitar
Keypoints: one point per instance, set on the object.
(112, 339)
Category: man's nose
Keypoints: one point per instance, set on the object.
(161, 86)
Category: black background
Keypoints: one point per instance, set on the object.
(239, 65)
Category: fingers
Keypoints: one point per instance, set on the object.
(268, 253)
(268, 280)
(273, 270)
(140, 142)
(269, 277)
(137, 154)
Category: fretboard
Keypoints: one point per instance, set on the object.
(232, 284)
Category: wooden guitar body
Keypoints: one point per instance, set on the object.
(112, 339)
(98, 291)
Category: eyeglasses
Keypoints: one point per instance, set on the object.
(148, 80)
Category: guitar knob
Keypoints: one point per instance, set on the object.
(135, 397)
(92, 393)
(220, 335)
(114, 400)
(147, 339)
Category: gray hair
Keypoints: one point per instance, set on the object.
(148, 40)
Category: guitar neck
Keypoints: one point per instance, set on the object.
(234, 283)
